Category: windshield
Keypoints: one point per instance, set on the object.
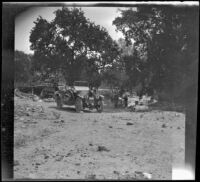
(81, 83)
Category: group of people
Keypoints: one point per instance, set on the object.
(121, 96)
(92, 91)
(118, 95)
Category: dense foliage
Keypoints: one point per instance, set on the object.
(166, 46)
(71, 43)
(159, 52)
(23, 65)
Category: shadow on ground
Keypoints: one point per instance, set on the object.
(106, 109)
(166, 106)
(111, 109)
(69, 109)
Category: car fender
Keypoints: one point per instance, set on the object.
(80, 96)
(101, 97)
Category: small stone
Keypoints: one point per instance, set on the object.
(116, 172)
(102, 148)
(59, 158)
(83, 155)
(46, 157)
(129, 123)
(90, 176)
(178, 128)
(16, 163)
(147, 175)
(68, 154)
(110, 127)
(32, 175)
(164, 126)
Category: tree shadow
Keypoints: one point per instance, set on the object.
(114, 110)
(107, 109)
(164, 106)
(69, 109)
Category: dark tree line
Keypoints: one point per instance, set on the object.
(23, 67)
(166, 46)
(160, 49)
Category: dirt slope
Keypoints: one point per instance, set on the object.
(62, 144)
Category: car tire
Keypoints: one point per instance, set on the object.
(59, 102)
(42, 94)
(100, 106)
(79, 105)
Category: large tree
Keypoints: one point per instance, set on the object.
(166, 38)
(132, 62)
(70, 41)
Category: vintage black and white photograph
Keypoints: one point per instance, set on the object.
(100, 92)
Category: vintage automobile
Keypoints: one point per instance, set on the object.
(79, 95)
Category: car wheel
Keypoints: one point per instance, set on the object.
(100, 106)
(42, 94)
(79, 105)
(59, 102)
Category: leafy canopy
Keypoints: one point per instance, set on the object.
(69, 41)
(166, 45)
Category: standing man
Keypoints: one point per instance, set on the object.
(125, 97)
(116, 97)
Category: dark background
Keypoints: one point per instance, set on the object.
(9, 12)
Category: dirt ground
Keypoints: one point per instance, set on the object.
(62, 144)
